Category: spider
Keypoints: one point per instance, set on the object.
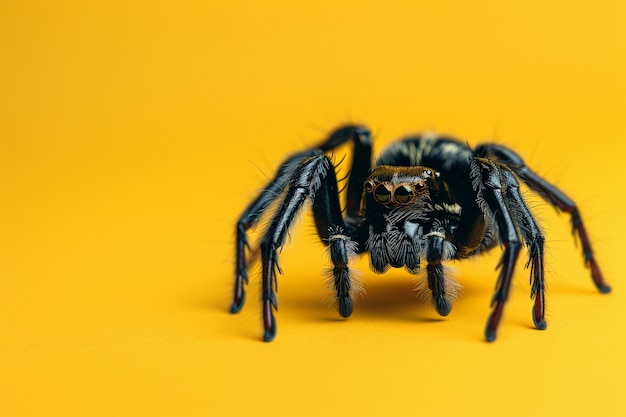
(426, 199)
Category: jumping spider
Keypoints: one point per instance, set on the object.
(426, 198)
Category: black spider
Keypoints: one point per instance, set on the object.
(426, 198)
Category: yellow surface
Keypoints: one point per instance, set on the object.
(132, 134)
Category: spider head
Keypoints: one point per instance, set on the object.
(398, 186)
(397, 203)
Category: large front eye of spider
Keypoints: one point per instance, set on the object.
(403, 194)
(382, 194)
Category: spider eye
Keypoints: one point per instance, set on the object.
(382, 194)
(403, 194)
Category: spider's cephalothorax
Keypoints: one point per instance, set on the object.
(426, 199)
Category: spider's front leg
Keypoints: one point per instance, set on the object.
(315, 180)
(306, 176)
(341, 248)
(312, 174)
(250, 218)
(275, 189)
(552, 195)
(444, 288)
(499, 197)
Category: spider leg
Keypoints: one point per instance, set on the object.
(341, 248)
(534, 239)
(444, 290)
(250, 218)
(304, 183)
(342, 239)
(345, 236)
(361, 163)
(275, 189)
(555, 197)
(491, 186)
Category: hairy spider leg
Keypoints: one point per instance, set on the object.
(342, 237)
(534, 240)
(306, 180)
(314, 179)
(274, 190)
(251, 217)
(341, 248)
(343, 231)
(361, 164)
(498, 194)
(435, 271)
(553, 196)
(301, 175)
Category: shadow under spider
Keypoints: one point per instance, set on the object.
(387, 296)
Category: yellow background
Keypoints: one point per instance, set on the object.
(132, 134)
